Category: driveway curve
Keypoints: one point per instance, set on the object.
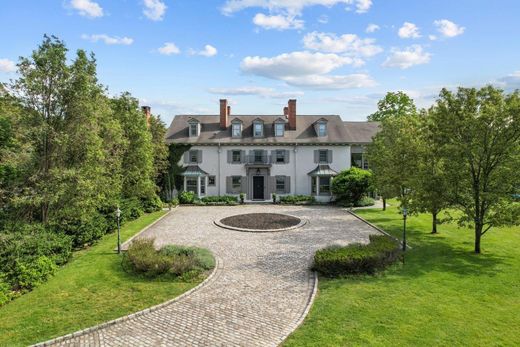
(259, 292)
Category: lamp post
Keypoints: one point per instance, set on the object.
(405, 212)
(118, 214)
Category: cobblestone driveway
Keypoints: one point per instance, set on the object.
(259, 291)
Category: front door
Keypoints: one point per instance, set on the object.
(258, 188)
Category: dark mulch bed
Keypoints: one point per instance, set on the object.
(261, 221)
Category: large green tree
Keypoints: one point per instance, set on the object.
(479, 130)
(137, 168)
(392, 105)
(393, 157)
(430, 183)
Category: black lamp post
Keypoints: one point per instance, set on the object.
(118, 214)
(405, 212)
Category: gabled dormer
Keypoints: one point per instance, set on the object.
(194, 127)
(279, 127)
(236, 128)
(320, 126)
(258, 128)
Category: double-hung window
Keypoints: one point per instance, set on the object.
(236, 156)
(258, 129)
(279, 129)
(194, 158)
(280, 184)
(324, 185)
(236, 130)
(236, 183)
(322, 129)
(191, 184)
(323, 156)
(280, 156)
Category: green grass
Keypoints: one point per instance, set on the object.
(92, 288)
(444, 295)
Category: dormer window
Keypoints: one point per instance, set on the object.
(236, 128)
(321, 127)
(258, 128)
(194, 127)
(279, 127)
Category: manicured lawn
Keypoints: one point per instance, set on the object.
(91, 289)
(443, 296)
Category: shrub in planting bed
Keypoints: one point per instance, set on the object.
(188, 262)
(297, 199)
(357, 258)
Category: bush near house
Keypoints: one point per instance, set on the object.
(186, 198)
(357, 258)
(219, 200)
(365, 201)
(188, 262)
(350, 186)
(296, 199)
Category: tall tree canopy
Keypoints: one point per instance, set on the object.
(392, 105)
(85, 152)
(479, 131)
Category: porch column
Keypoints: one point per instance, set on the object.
(317, 178)
(185, 184)
(198, 185)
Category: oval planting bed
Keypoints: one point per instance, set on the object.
(260, 222)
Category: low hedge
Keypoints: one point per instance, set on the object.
(297, 199)
(217, 200)
(176, 261)
(357, 258)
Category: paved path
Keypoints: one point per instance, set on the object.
(257, 295)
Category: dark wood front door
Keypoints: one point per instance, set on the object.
(258, 188)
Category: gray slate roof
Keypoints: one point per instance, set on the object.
(338, 132)
(361, 132)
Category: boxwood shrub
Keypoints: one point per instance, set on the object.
(218, 200)
(296, 199)
(186, 197)
(357, 258)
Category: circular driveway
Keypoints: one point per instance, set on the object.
(259, 292)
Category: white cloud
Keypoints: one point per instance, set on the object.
(87, 8)
(510, 82)
(348, 44)
(208, 51)
(154, 9)
(372, 28)
(169, 48)
(448, 28)
(109, 40)
(404, 59)
(409, 31)
(306, 69)
(278, 22)
(291, 6)
(323, 19)
(432, 37)
(253, 90)
(332, 81)
(7, 65)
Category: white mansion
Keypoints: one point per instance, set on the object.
(263, 154)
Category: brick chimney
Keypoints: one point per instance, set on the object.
(292, 114)
(147, 110)
(224, 114)
(286, 111)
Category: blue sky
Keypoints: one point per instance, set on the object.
(334, 56)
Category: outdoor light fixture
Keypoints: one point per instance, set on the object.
(118, 214)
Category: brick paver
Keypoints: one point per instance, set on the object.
(259, 291)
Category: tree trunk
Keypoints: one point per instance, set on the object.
(434, 223)
(478, 236)
(384, 204)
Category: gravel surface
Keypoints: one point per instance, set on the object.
(261, 221)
